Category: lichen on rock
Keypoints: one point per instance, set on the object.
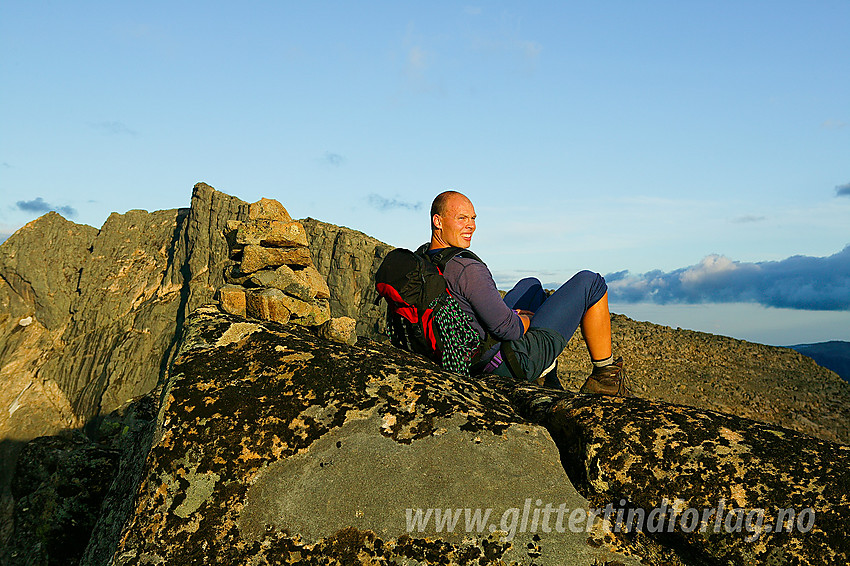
(274, 443)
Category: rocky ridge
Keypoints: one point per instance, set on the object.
(89, 318)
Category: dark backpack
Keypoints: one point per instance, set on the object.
(422, 315)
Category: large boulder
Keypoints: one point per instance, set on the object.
(726, 489)
(274, 446)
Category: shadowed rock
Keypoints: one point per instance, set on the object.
(63, 480)
(106, 307)
(61, 485)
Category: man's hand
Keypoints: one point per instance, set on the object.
(525, 317)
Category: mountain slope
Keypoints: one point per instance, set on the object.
(765, 383)
(834, 355)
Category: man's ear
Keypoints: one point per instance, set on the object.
(437, 222)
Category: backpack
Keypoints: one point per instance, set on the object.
(422, 315)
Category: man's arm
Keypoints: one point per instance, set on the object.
(476, 285)
(525, 317)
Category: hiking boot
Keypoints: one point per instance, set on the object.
(608, 380)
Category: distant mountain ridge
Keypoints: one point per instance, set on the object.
(834, 355)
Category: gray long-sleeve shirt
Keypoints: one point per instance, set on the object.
(471, 283)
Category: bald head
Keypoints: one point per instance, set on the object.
(452, 220)
(441, 201)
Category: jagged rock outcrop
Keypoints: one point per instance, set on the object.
(104, 309)
(89, 318)
(108, 313)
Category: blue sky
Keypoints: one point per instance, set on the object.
(691, 151)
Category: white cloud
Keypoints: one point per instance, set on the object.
(710, 268)
(385, 204)
(530, 49)
(417, 59)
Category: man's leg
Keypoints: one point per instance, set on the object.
(594, 318)
(583, 300)
(596, 329)
(526, 295)
(572, 303)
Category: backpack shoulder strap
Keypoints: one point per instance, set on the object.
(442, 257)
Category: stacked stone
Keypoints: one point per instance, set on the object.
(275, 278)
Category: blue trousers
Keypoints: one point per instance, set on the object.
(555, 318)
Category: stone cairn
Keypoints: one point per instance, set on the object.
(274, 277)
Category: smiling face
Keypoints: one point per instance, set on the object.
(455, 224)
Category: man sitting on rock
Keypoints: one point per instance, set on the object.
(535, 328)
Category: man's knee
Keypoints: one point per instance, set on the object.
(592, 284)
(587, 276)
(528, 282)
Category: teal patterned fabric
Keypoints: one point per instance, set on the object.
(460, 340)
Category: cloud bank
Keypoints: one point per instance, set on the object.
(798, 282)
(842, 190)
(40, 205)
(384, 204)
